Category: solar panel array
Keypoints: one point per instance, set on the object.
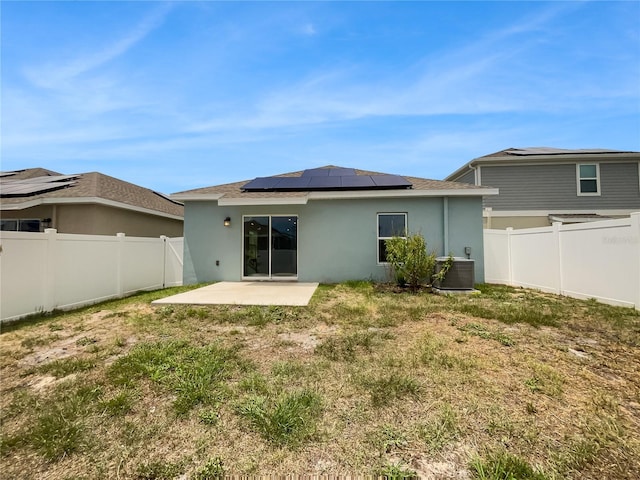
(327, 179)
(34, 186)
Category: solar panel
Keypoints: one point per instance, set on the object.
(358, 181)
(316, 172)
(325, 183)
(261, 183)
(327, 179)
(21, 189)
(390, 181)
(331, 172)
(341, 172)
(51, 179)
(293, 183)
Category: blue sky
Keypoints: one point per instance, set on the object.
(180, 95)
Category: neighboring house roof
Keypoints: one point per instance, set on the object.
(19, 190)
(234, 194)
(544, 155)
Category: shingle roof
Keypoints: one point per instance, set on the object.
(96, 185)
(234, 190)
(529, 151)
(544, 155)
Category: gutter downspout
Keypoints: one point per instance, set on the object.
(445, 224)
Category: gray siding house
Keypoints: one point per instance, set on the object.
(327, 224)
(539, 186)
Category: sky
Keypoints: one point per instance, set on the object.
(186, 94)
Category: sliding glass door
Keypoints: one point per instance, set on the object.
(270, 246)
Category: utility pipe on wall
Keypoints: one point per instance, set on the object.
(445, 224)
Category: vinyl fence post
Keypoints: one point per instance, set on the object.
(49, 300)
(164, 260)
(509, 261)
(558, 254)
(635, 234)
(120, 267)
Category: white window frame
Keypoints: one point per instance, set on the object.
(378, 237)
(596, 178)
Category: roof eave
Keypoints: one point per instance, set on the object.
(88, 200)
(182, 197)
(337, 195)
(453, 192)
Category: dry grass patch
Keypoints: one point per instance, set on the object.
(509, 383)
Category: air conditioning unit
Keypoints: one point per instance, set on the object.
(459, 277)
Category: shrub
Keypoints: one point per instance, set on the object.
(409, 259)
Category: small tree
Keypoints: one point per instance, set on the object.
(409, 259)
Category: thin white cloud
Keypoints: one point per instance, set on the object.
(479, 77)
(308, 29)
(59, 74)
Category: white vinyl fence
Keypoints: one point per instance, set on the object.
(40, 272)
(598, 260)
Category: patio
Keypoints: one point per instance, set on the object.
(245, 293)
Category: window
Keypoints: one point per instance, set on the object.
(27, 225)
(389, 225)
(588, 178)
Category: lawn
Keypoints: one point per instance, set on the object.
(502, 384)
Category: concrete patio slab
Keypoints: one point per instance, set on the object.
(245, 293)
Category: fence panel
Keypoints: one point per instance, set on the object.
(496, 257)
(85, 267)
(598, 260)
(534, 259)
(23, 271)
(142, 264)
(43, 271)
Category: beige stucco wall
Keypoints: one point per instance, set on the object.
(94, 219)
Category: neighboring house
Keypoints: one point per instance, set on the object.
(539, 186)
(86, 203)
(326, 224)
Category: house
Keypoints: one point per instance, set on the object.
(86, 203)
(540, 186)
(325, 224)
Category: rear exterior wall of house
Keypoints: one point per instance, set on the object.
(336, 239)
(92, 219)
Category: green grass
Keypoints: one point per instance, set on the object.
(501, 465)
(212, 469)
(196, 375)
(172, 391)
(288, 420)
(388, 438)
(391, 388)
(60, 429)
(395, 471)
(158, 470)
(119, 404)
(481, 331)
(67, 366)
(440, 430)
(347, 347)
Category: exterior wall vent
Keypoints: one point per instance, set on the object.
(459, 277)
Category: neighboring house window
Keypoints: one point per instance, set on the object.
(588, 178)
(389, 225)
(27, 225)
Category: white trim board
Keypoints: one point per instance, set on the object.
(85, 201)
